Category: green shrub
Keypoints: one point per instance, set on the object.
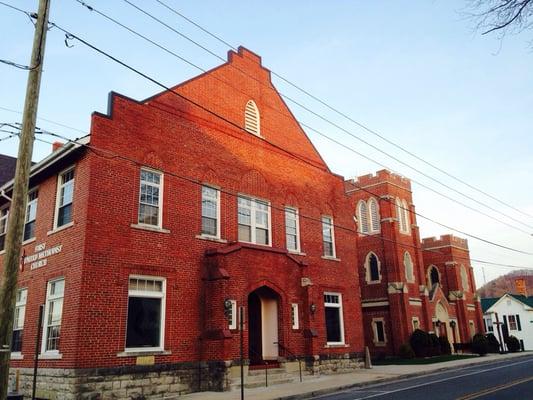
(434, 349)
(480, 344)
(420, 343)
(513, 345)
(445, 347)
(494, 345)
(406, 351)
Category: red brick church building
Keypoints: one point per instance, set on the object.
(183, 217)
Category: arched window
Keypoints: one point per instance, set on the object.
(372, 267)
(464, 279)
(408, 264)
(407, 223)
(433, 276)
(375, 225)
(363, 217)
(251, 118)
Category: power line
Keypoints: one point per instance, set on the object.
(112, 155)
(240, 128)
(338, 127)
(44, 119)
(346, 116)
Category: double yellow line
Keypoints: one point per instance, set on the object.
(494, 389)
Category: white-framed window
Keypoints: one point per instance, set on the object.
(334, 318)
(210, 211)
(150, 198)
(52, 316)
(254, 220)
(378, 327)
(362, 211)
(252, 121)
(18, 322)
(409, 268)
(372, 268)
(513, 326)
(472, 328)
(292, 229)
(31, 215)
(64, 198)
(489, 327)
(402, 212)
(328, 236)
(416, 323)
(145, 327)
(4, 216)
(295, 318)
(232, 314)
(373, 210)
(464, 279)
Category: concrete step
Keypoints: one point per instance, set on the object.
(271, 371)
(250, 384)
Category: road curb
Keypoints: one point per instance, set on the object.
(330, 390)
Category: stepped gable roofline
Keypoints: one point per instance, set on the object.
(447, 240)
(381, 176)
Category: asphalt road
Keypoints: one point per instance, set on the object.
(502, 380)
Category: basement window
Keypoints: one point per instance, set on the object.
(146, 314)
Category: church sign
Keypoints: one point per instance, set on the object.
(40, 257)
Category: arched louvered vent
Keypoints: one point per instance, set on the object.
(251, 118)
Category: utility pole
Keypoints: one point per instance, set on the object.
(17, 212)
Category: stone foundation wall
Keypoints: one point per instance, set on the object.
(335, 364)
(132, 382)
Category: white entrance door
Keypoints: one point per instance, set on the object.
(269, 327)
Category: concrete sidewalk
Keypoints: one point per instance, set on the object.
(331, 383)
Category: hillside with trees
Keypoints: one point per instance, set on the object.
(506, 284)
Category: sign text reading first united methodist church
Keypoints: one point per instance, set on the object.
(40, 258)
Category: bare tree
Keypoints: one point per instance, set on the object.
(501, 16)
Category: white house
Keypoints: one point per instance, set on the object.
(513, 311)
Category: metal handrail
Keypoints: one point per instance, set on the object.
(293, 355)
(264, 363)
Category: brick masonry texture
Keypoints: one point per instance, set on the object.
(104, 246)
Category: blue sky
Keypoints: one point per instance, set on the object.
(412, 70)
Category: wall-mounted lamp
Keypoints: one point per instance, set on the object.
(438, 323)
(312, 308)
(452, 324)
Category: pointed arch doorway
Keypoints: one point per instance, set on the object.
(263, 325)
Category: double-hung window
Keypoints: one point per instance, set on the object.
(254, 220)
(210, 212)
(65, 194)
(31, 215)
(328, 238)
(334, 318)
(18, 322)
(52, 315)
(232, 314)
(150, 198)
(146, 313)
(379, 331)
(295, 318)
(292, 229)
(512, 323)
(4, 215)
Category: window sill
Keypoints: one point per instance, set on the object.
(28, 241)
(50, 356)
(59, 229)
(17, 356)
(330, 258)
(336, 345)
(373, 282)
(147, 352)
(150, 228)
(211, 238)
(296, 253)
(380, 344)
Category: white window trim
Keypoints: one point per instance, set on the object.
(218, 235)
(36, 201)
(58, 199)
(5, 207)
(471, 325)
(407, 213)
(161, 199)
(295, 316)
(253, 226)
(361, 215)
(413, 320)
(375, 331)
(233, 324)
(17, 355)
(151, 295)
(341, 317)
(51, 354)
(297, 217)
(332, 226)
(368, 275)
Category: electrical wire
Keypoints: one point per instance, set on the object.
(346, 116)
